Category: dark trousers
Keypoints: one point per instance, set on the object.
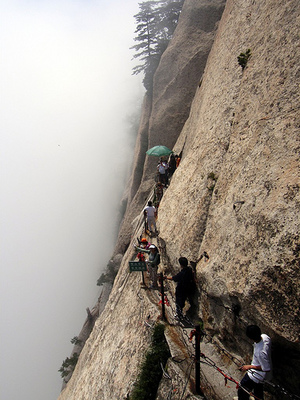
(256, 388)
(180, 303)
(163, 179)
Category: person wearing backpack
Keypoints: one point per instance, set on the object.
(152, 263)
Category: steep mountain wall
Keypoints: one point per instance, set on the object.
(232, 207)
(236, 193)
(165, 112)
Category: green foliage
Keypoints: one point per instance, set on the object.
(243, 58)
(150, 374)
(75, 340)
(68, 365)
(156, 23)
(108, 276)
(102, 280)
(212, 176)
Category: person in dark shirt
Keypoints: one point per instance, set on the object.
(172, 165)
(185, 285)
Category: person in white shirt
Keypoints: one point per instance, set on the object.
(162, 171)
(261, 365)
(150, 211)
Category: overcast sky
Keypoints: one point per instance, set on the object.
(65, 146)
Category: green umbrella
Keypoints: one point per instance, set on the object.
(159, 151)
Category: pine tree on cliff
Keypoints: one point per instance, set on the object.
(156, 23)
(147, 38)
(168, 12)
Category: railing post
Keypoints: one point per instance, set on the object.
(162, 292)
(197, 359)
(143, 279)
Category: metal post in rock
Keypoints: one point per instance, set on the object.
(197, 359)
(143, 279)
(162, 292)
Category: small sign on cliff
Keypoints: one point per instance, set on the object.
(137, 266)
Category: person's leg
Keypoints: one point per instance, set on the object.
(258, 391)
(153, 276)
(150, 223)
(154, 224)
(248, 384)
(180, 303)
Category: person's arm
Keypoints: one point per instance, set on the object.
(178, 277)
(247, 367)
(142, 250)
(264, 363)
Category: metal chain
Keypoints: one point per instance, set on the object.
(187, 379)
(211, 363)
(221, 349)
(234, 359)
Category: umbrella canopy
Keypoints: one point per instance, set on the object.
(159, 151)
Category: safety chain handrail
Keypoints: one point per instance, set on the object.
(208, 361)
(233, 310)
(187, 378)
(183, 384)
(234, 359)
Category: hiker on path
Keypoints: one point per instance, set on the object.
(144, 244)
(261, 365)
(172, 165)
(177, 158)
(185, 285)
(152, 263)
(150, 212)
(162, 171)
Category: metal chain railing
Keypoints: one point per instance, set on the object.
(186, 342)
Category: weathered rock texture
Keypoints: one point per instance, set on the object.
(234, 196)
(239, 178)
(165, 112)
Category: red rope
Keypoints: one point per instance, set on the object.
(166, 301)
(228, 378)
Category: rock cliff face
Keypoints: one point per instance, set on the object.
(165, 112)
(232, 205)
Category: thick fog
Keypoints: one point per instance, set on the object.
(67, 96)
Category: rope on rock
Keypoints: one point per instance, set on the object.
(208, 361)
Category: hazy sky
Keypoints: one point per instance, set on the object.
(65, 146)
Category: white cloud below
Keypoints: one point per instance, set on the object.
(66, 89)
